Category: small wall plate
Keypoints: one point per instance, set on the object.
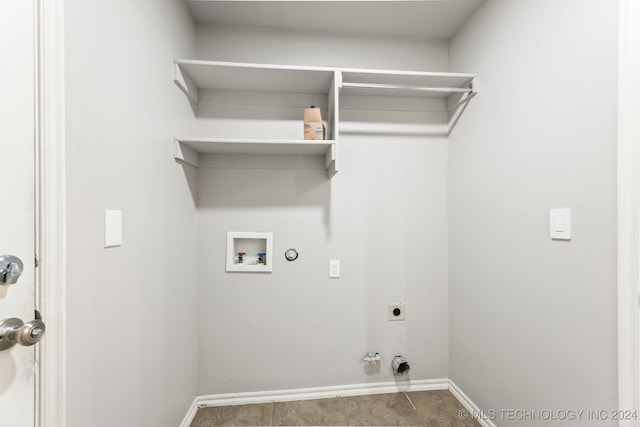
(291, 254)
(560, 224)
(396, 311)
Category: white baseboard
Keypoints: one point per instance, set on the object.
(310, 393)
(332, 391)
(186, 421)
(471, 407)
(319, 392)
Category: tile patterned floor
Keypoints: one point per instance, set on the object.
(419, 408)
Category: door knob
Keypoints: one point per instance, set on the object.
(13, 331)
(10, 269)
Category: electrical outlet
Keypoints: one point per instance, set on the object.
(396, 311)
(334, 268)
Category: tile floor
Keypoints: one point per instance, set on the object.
(419, 408)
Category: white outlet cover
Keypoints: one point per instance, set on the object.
(399, 306)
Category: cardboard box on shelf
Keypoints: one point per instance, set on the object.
(314, 131)
(314, 128)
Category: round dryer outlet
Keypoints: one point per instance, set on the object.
(396, 311)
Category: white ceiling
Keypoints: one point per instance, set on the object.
(431, 19)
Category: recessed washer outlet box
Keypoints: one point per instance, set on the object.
(249, 252)
(396, 311)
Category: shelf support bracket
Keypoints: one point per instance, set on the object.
(330, 160)
(186, 85)
(185, 155)
(460, 106)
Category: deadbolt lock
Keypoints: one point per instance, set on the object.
(10, 269)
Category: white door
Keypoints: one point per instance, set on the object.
(17, 205)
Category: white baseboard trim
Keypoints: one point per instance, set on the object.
(186, 421)
(319, 392)
(310, 393)
(471, 407)
(332, 391)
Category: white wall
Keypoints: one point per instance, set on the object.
(266, 46)
(384, 215)
(533, 321)
(528, 317)
(130, 310)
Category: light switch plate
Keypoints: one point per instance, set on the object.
(334, 268)
(560, 224)
(112, 228)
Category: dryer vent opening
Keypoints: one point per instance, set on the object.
(400, 365)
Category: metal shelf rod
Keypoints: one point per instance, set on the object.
(406, 87)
